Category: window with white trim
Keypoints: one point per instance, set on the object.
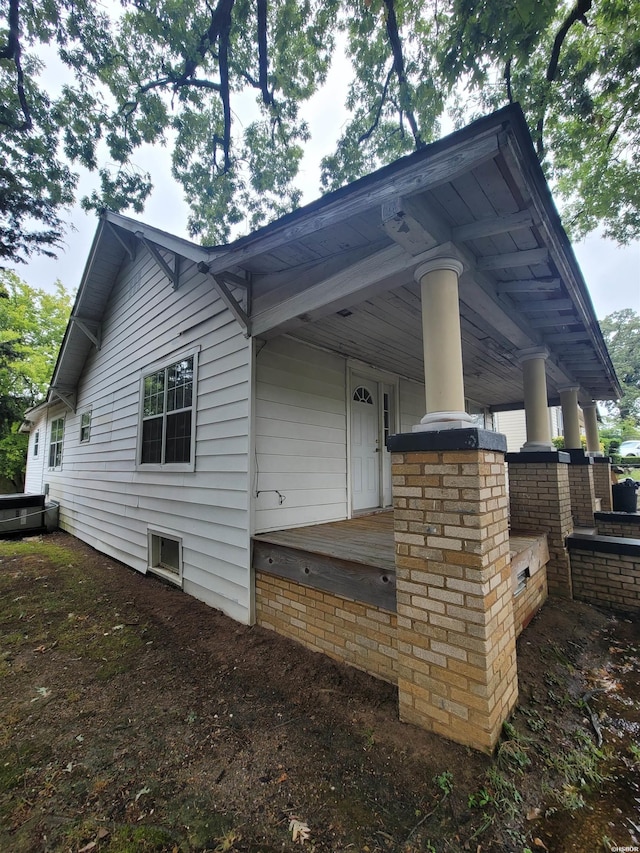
(36, 442)
(165, 555)
(85, 427)
(55, 443)
(168, 416)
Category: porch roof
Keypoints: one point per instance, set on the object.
(338, 273)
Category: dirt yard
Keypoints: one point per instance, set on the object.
(134, 718)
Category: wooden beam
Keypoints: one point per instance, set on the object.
(228, 298)
(232, 278)
(545, 306)
(67, 398)
(336, 292)
(526, 258)
(176, 271)
(86, 326)
(517, 405)
(404, 229)
(529, 285)
(500, 325)
(549, 321)
(568, 337)
(157, 257)
(124, 243)
(492, 226)
(355, 581)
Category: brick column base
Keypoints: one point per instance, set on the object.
(602, 482)
(540, 501)
(456, 637)
(581, 487)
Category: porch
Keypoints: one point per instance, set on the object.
(332, 586)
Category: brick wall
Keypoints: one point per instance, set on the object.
(540, 499)
(530, 600)
(602, 482)
(606, 577)
(529, 558)
(361, 635)
(582, 493)
(456, 638)
(623, 524)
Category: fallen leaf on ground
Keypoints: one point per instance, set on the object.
(299, 830)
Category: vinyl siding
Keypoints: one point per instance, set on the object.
(301, 436)
(412, 404)
(36, 464)
(106, 500)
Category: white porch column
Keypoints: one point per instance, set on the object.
(569, 402)
(591, 428)
(535, 399)
(442, 345)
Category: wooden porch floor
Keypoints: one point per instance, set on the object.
(367, 540)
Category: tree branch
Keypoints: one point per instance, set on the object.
(577, 14)
(617, 126)
(267, 96)
(223, 63)
(507, 78)
(13, 51)
(218, 32)
(540, 150)
(9, 51)
(376, 121)
(398, 64)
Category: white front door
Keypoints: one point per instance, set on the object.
(365, 444)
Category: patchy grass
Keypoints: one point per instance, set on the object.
(136, 719)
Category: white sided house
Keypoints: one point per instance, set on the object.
(208, 400)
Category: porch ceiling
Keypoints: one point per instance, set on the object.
(339, 273)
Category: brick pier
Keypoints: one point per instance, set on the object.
(456, 637)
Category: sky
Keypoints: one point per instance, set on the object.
(612, 273)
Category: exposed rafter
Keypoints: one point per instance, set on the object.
(568, 337)
(551, 321)
(526, 258)
(544, 306)
(529, 285)
(494, 225)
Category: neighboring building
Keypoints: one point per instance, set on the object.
(512, 425)
(205, 395)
